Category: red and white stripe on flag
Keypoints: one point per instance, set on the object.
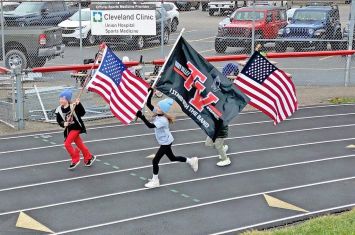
(275, 96)
(121, 89)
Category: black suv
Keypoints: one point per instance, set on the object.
(139, 42)
(312, 26)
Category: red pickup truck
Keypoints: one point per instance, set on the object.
(238, 33)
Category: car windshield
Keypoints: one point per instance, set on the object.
(85, 16)
(29, 7)
(310, 15)
(248, 15)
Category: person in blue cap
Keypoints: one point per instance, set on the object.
(69, 117)
(164, 137)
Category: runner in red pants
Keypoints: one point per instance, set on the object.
(69, 117)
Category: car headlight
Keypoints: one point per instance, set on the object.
(311, 31)
(347, 27)
(319, 32)
(281, 31)
(288, 30)
(82, 27)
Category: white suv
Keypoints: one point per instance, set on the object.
(172, 12)
(221, 6)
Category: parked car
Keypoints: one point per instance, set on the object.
(71, 29)
(9, 6)
(290, 14)
(140, 41)
(172, 12)
(225, 21)
(221, 6)
(274, 3)
(186, 5)
(268, 21)
(31, 46)
(38, 13)
(312, 26)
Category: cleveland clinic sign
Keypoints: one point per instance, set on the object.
(123, 19)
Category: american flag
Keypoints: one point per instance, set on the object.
(270, 89)
(122, 90)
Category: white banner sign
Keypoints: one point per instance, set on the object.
(123, 19)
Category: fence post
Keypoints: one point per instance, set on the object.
(253, 30)
(162, 29)
(3, 34)
(81, 35)
(16, 73)
(350, 42)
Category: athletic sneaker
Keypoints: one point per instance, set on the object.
(224, 163)
(225, 148)
(91, 161)
(153, 183)
(194, 164)
(73, 165)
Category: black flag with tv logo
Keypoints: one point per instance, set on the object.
(203, 92)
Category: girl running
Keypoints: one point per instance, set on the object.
(163, 135)
(69, 117)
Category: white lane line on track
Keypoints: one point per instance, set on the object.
(186, 181)
(175, 131)
(179, 144)
(348, 206)
(175, 183)
(179, 119)
(205, 204)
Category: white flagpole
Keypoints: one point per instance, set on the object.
(165, 62)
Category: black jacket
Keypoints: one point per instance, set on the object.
(77, 123)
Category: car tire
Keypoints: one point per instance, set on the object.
(90, 40)
(204, 6)
(38, 61)
(280, 47)
(337, 45)
(166, 36)
(220, 47)
(13, 55)
(211, 12)
(321, 46)
(188, 6)
(197, 6)
(139, 42)
(174, 25)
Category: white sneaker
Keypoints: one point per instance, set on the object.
(224, 163)
(194, 164)
(152, 184)
(351, 146)
(225, 149)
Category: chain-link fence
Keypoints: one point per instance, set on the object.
(48, 33)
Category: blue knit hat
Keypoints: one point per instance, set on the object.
(165, 104)
(67, 94)
(230, 68)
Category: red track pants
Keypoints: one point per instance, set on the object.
(74, 136)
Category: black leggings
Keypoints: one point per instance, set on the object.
(165, 150)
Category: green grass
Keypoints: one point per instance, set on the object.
(342, 100)
(341, 224)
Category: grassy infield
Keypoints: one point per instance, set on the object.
(343, 224)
